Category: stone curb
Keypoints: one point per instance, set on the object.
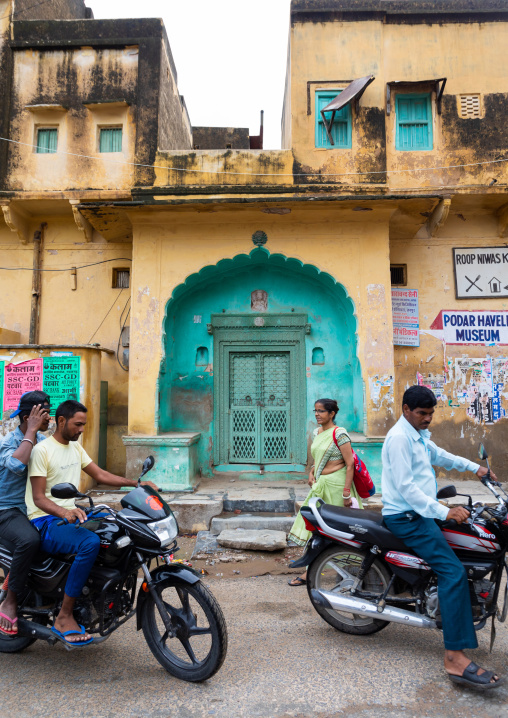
(275, 523)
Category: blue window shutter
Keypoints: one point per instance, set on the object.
(341, 130)
(47, 140)
(414, 122)
(110, 139)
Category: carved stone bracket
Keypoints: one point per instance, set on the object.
(436, 220)
(81, 223)
(502, 221)
(16, 220)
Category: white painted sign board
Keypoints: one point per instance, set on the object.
(480, 272)
(406, 325)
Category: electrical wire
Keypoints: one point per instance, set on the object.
(268, 174)
(120, 337)
(107, 313)
(68, 269)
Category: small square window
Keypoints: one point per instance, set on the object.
(341, 128)
(414, 122)
(47, 139)
(121, 278)
(398, 275)
(110, 139)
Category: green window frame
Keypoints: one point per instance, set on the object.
(342, 124)
(110, 139)
(47, 140)
(414, 123)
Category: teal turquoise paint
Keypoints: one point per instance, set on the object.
(186, 400)
(370, 454)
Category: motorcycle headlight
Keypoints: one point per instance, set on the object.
(166, 530)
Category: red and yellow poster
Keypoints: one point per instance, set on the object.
(20, 378)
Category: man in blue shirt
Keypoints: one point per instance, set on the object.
(410, 508)
(15, 450)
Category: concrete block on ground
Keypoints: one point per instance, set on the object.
(264, 540)
(275, 523)
(277, 501)
(206, 544)
(195, 515)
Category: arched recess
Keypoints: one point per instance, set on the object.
(187, 394)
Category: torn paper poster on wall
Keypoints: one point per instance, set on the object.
(434, 382)
(381, 390)
(478, 383)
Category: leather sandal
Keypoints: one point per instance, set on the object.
(298, 581)
(479, 682)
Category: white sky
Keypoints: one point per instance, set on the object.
(230, 56)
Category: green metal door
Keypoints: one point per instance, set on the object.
(259, 407)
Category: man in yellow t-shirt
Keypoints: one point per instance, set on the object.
(57, 460)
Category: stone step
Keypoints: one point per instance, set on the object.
(246, 521)
(253, 540)
(260, 499)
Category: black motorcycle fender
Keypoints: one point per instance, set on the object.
(183, 574)
(315, 546)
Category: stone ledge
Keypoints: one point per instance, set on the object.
(170, 439)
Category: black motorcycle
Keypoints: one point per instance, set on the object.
(182, 622)
(361, 577)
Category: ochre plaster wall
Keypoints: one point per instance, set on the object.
(170, 246)
(71, 78)
(329, 54)
(69, 316)
(430, 270)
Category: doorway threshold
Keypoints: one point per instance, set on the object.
(261, 468)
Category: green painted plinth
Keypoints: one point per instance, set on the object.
(175, 455)
(370, 453)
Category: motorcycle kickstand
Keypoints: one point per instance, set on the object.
(382, 601)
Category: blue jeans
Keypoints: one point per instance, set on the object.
(427, 541)
(70, 539)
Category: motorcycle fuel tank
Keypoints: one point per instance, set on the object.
(479, 538)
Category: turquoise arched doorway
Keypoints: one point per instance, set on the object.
(277, 335)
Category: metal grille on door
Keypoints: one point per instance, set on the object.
(259, 407)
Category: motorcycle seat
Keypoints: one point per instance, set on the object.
(40, 556)
(367, 526)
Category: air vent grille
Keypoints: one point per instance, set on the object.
(470, 107)
(398, 274)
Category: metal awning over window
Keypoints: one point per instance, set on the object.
(351, 93)
(438, 84)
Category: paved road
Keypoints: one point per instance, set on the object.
(283, 662)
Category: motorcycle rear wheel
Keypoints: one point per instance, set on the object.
(199, 648)
(324, 574)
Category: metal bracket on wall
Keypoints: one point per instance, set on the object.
(81, 223)
(502, 221)
(439, 86)
(17, 220)
(436, 220)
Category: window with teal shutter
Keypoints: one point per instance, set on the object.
(46, 140)
(110, 139)
(341, 128)
(414, 122)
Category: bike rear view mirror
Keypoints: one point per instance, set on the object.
(148, 464)
(65, 491)
(482, 453)
(447, 492)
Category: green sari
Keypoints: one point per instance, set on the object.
(328, 487)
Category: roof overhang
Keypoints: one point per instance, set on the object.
(438, 85)
(400, 7)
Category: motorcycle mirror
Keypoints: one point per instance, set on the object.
(65, 491)
(447, 492)
(148, 464)
(482, 453)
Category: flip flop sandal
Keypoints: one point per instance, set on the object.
(297, 581)
(471, 678)
(74, 644)
(12, 621)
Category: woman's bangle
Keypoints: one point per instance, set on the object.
(30, 440)
(346, 497)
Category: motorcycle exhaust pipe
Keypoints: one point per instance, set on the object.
(30, 629)
(366, 609)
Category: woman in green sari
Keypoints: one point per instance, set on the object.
(331, 477)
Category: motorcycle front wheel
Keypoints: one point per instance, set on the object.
(335, 570)
(199, 646)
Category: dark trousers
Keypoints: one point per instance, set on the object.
(427, 541)
(71, 539)
(16, 528)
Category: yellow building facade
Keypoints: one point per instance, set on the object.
(367, 255)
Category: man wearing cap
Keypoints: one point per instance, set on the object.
(15, 450)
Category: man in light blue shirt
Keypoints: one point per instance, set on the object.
(410, 508)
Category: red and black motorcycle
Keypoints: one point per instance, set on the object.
(361, 577)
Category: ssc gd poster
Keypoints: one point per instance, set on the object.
(61, 379)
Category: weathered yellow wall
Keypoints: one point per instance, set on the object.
(170, 246)
(71, 78)
(468, 54)
(430, 270)
(70, 316)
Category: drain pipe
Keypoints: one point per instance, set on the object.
(36, 285)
